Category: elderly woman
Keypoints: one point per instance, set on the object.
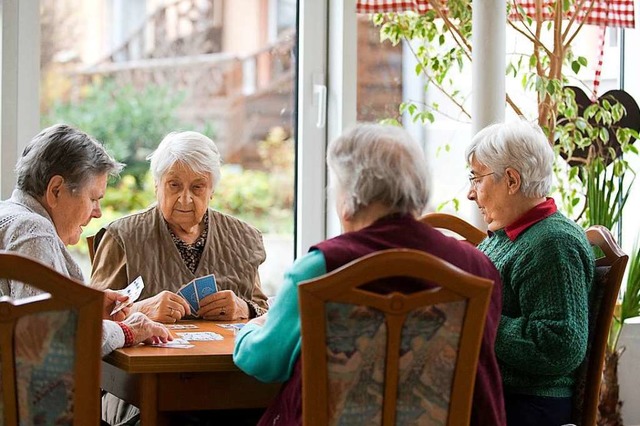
(377, 207)
(547, 268)
(180, 238)
(62, 175)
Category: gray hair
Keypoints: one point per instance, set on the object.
(192, 149)
(378, 163)
(520, 145)
(64, 151)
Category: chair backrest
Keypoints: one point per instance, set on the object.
(608, 277)
(452, 223)
(390, 357)
(49, 348)
(92, 250)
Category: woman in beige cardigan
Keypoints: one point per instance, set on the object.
(180, 238)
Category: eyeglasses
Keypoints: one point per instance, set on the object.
(473, 179)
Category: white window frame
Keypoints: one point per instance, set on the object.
(20, 84)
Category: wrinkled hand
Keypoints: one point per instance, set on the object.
(110, 299)
(147, 331)
(258, 320)
(166, 307)
(223, 306)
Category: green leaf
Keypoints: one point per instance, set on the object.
(575, 66)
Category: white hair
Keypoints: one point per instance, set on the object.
(520, 145)
(378, 163)
(192, 149)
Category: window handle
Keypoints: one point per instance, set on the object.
(320, 100)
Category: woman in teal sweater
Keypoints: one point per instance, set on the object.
(546, 266)
(377, 208)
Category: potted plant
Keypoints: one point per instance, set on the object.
(593, 137)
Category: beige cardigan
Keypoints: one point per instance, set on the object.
(140, 245)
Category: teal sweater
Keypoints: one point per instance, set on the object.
(280, 335)
(547, 275)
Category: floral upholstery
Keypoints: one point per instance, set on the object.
(45, 362)
(428, 355)
(356, 348)
(356, 351)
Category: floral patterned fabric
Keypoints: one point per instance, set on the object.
(356, 356)
(45, 360)
(428, 355)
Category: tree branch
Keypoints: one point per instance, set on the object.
(574, 17)
(460, 39)
(435, 83)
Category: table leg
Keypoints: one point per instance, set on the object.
(149, 413)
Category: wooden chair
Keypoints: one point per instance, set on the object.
(452, 223)
(49, 348)
(372, 357)
(608, 277)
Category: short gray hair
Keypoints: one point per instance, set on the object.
(65, 151)
(379, 163)
(192, 149)
(520, 145)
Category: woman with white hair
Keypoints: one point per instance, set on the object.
(180, 238)
(546, 265)
(61, 177)
(381, 183)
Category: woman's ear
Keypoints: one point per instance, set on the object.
(514, 182)
(53, 191)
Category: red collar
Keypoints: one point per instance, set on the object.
(530, 218)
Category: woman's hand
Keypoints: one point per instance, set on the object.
(223, 305)
(259, 320)
(146, 331)
(166, 307)
(110, 299)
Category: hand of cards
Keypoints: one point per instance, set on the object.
(133, 291)
(198, 289)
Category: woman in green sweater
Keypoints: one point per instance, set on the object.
(547, 269)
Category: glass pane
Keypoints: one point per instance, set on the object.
(386, 78)
(130, 71)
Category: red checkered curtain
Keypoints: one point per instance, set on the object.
(387, 6)
(610, 13)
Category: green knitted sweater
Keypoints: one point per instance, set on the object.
(547, 275)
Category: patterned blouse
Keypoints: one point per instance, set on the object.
(191, 253)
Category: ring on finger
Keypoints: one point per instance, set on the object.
(222, 312)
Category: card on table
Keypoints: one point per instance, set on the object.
(200, 336)
(180, 326)
(235, 327)
(174, 344)
(133, 291)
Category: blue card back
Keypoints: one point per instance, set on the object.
(190, 295)
(205, 286)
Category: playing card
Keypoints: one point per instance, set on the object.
(205, 286)
(189, 293)
(181, 326)
(236, 326)
(175, 344)
(133, 290)
(202, 335)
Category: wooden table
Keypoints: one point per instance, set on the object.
(160, 380)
